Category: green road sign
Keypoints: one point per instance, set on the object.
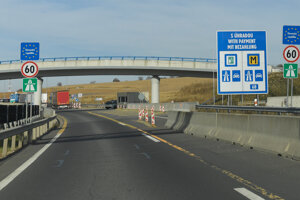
(290, 70)
(29, 85)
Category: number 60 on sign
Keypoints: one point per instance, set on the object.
(291, 53)
(29, 69)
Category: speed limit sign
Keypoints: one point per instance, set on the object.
(29, 69)
(291, 53)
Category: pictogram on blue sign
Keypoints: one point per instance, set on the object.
(248, 75)
(291, 35)
(230, 60)
(30, 51)
(254, 87)
(259, 75)
(236, 75)
(226, 75)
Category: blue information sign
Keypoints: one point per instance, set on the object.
(242, 62)
(30, 51)
(291, 35)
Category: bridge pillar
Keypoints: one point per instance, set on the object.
(37, 96)
(155, 81)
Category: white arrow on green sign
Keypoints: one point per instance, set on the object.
(290, 70)
(29, 85)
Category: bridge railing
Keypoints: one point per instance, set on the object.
(86, 58)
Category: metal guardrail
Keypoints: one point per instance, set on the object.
(21, 129)
(258, 109)
(116, 58)
(23, 135)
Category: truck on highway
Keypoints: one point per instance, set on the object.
(60, 99)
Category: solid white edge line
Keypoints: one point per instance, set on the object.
(250, 195)
(26, 164)
(151, 138)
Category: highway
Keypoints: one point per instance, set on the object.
(105, 155)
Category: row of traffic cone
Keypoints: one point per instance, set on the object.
(143, 113)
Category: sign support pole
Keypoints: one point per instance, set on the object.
(292, 80)
(31, 108)
(214, 97)
(242, 99)
(228, 100)
(26, 107)
(287, 92)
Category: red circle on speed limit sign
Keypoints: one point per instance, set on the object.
(29, 69)
(291, 53)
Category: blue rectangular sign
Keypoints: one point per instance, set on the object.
(291, 34)
(30, 51)
(242, 62)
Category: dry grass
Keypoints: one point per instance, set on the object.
(201, 92)
(169, 89)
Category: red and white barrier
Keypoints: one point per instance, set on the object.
(163, 109)
(159, 108)
(146, 116)
(140, 114)
(152, 118)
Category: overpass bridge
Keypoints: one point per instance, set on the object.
(114, 65)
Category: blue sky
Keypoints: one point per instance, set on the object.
(136, 27)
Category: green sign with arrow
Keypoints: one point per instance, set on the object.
(290, 70)
(29, 85)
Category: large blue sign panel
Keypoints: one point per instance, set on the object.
(291, 35)
(30, 51)
(242, 62)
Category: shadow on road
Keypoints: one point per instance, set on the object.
(103, 136)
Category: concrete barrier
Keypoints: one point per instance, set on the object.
(178, 106)
(280, 134)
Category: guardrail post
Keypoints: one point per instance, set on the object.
(38, 132)
(26, 139)
(13, 143)
(34, 134)
(30, 136)
(20, 142)
(4, 148)
(44, 129)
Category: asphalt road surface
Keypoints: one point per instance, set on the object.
(103, 155)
